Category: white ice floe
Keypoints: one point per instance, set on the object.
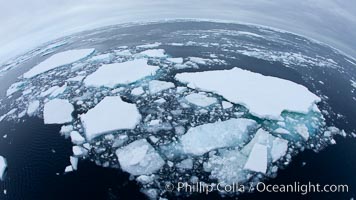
(79, 151)
(3, 166)
(33, 107)
(155, 53)
(158, 86)
(257, 160)
(254, 91)
(204, 138)
(58, 91)
(123, 53)
(137, 91)
(68, 169)
(74, 162)
(76, 138)
(226, 105)
(110, 114)
(58, 111)
(111, 75)
(200, 99)
(281, 131)
(175, 60)
(146, 46)
(185, 164)
(139, 158)
(57, 60)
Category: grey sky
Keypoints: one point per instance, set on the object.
(26, 24)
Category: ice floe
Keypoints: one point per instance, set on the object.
(257, 160)
(156, 53)
(58, 111)
(127, 72)
(139, 158)
(3, 166)
(109, 114)
(254, 91)
(158, 86)
(57, 60)
(204, 138)
(200, 99)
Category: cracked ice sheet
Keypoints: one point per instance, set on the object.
(57, 60)
(204, 138)
(254, 91)
(111, 75)
(110, 114)
(139, 158)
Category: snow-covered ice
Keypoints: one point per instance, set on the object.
(200, 99)
(110, 114)
(204, 138)
(176, 60)
(139, 158)
(158, 86)
(127, 72)
(137, 91)
(58, 111)
(74, 162)
(254, 91)
(3, 166)
(57, 60)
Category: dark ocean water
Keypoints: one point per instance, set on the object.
(37, 154)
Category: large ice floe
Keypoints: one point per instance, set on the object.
(264, 96)
(176, 118)
(3, 166)
(109, 114)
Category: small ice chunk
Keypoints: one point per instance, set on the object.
(226, 105)
(185, 164)
(200, 99)
(257, 160)
(58, 91)
(123, 52)
(137, 91)
(68, 169)
(74, 162)
(204, 138)
(158, 86)
(110, 75)
(3, 166)
(155, 53)
(110, 114)
(175, 60)
(57, 60)
(58, 111)
(281, 131)
(139, 158)
(79, 151)
(144, 179)
(76, 138)
(33, 107)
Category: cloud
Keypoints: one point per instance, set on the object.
(27, 24)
